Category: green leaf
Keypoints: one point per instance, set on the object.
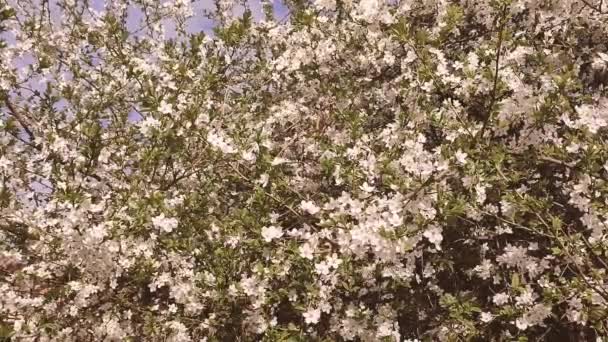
(515, 282)
(556, 223)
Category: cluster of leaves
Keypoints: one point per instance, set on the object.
(358, 170)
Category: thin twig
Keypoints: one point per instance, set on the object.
(603, 293)
(14, 113)
(595, 8)
(570, 165)
(265, 192)
(427, 182)
(496, 69)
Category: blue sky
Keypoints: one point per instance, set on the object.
(196, 24)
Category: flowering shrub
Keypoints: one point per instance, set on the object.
(352, 171)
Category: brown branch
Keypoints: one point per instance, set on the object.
(496, 69)
(19, 230)
(434, 177)
(570, 165)
(14, 113)
(595, 8)
(235, 169)
(603, 293)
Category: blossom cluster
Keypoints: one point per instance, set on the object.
(353, 170)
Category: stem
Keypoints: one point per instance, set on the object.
(20, 119)
(496, 68)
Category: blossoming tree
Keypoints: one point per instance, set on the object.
(352, 171)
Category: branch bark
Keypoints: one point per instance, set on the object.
(22, 121)
(488, 117)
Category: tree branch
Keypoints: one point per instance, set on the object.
(496, 69)
(14, 113)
